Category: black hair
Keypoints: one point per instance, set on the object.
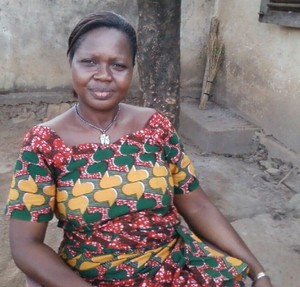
(102, 19)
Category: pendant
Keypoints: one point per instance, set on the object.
(104, 139)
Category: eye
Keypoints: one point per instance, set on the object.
(119, 66)
(88, 62)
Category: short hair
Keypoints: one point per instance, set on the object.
(99, 20)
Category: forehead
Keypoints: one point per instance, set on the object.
(109, 39)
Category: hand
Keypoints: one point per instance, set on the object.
(263, 282)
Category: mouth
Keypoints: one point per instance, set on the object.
(101, 93)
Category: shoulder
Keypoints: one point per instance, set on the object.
(138, 116)
(152, 118)
(61, 121)
(47, 132)
(138, 110)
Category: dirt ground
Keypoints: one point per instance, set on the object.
(260, 206)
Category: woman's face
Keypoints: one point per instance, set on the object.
(102, 68)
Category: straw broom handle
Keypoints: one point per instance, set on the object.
(204, 95)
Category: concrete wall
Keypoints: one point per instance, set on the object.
(260, 75)
(195, 22)
(34, 36)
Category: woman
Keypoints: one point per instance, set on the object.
(117, 178)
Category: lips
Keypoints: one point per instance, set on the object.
(101, 93)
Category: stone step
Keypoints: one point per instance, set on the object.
(217, 130)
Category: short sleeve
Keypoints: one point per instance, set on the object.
(32, 192)
(182, 169)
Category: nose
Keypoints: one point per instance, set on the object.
(102, 72)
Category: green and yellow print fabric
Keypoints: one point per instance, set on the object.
(141, 171)
(115, 204)
(32, 189)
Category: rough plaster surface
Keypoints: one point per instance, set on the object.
(34, 37)
(260, 76)
(34, 41)
(195, 20)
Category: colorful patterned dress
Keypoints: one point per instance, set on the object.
(115, 204)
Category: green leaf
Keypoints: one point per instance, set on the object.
(143, 269)
(194, 184)
(178, 258)
(151, 148)
(102, 154)
(145, 203)
(118, 210)
(30, 156)
(21, 214)
(129, 149)
(89, 273)
(166, 199)
(226, 274)
(165, 153)
(173, 152)
(124, 160)
(92, 217)
(212, 273)
(113, 273)
(89, 247)
(148, 157)
(174, 139)
(19, 165)
(74, 175)
(76, 163)
(45, 217)
(162, 210)
(97, 167)
(35, 170)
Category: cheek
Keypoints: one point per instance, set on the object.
(77, 78)
(126, 80)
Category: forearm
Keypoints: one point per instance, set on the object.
(31, 283)
(44, 266)
(210, 224)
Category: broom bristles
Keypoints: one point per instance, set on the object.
(214, 56)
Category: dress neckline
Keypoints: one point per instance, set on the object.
(149, 123)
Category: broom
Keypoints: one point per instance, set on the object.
(214, 55)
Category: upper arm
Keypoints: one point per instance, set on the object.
(32, 192)
(25, 232)
(192, 202)
(181, 167)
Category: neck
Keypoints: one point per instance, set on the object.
(100, 120)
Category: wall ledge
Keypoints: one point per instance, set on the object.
(12, 99)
